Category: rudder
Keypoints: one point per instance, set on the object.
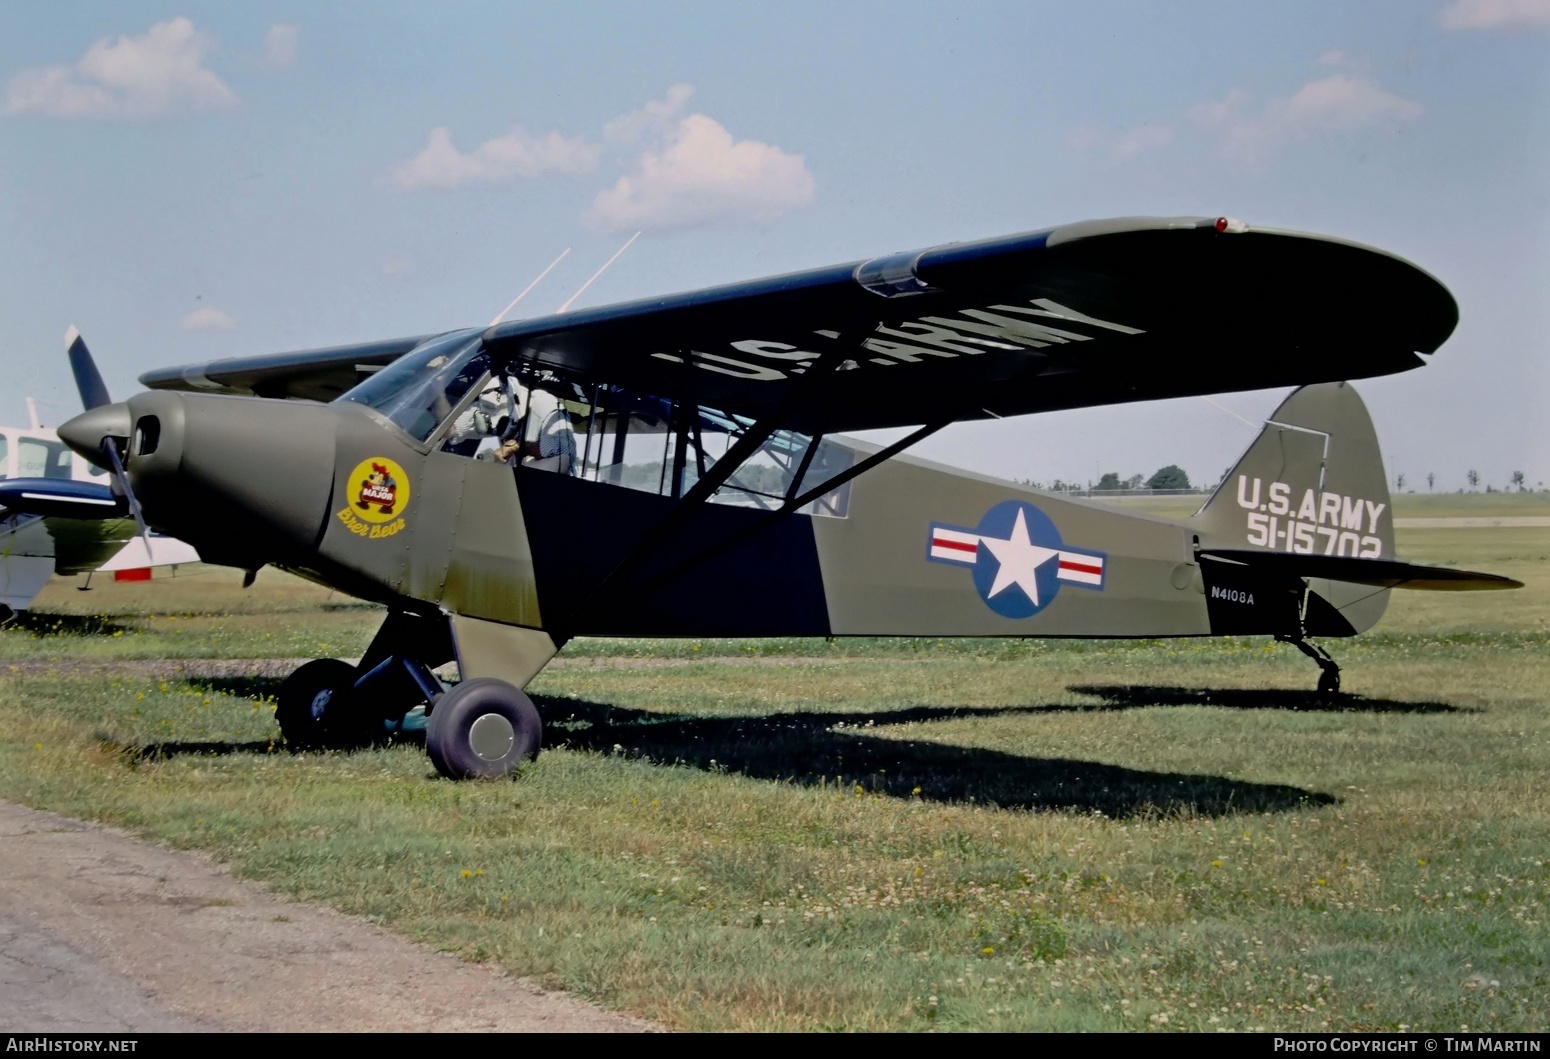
(1312, 483)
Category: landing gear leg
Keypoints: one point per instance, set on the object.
(313, 703)
(331, 705)
(1329, 671)
(484, 727)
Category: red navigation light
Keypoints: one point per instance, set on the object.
(1221, 224)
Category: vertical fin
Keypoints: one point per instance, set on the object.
(1312, 483)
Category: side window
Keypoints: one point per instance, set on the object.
(529, 423)
(620, 437)
(5, 457)
(664, 447)
(31, 458)
(36, 458)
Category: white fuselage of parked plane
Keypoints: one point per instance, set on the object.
(34, 548)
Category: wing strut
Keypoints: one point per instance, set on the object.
(839, 350)
(1037, 365)
(794, 503)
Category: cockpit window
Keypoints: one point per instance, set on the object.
(534, 418)
(420, 389)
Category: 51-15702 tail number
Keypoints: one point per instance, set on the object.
(1324, 523)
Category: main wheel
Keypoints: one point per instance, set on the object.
(482, 729)
(313, 705)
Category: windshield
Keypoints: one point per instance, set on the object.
(421, 388)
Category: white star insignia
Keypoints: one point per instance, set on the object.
(1020, 560)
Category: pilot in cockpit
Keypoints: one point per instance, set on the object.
(541, 437)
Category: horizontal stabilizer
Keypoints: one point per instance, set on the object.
(1382, 573)
(61, 498)
(155, 550)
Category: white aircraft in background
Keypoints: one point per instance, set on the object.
(34, 547)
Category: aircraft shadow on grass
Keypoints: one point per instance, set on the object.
(1137, 696)
(811, 749)
(845, 749)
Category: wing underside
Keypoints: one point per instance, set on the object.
(1088, 314)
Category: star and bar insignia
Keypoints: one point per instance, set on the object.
(1019, 560)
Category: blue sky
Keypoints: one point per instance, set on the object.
(199, 180)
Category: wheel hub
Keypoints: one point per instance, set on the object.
(491, 736)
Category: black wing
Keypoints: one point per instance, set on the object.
(307, 374)
(1085, 314)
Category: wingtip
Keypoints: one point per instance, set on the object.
(72, 336)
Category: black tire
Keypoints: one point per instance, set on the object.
(482, 729)
(312, 705)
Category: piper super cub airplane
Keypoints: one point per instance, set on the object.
(670, 467)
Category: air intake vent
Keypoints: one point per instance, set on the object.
(147, 436)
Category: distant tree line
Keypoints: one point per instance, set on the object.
(1518, 482)
(1170, 477)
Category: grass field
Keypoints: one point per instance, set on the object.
(892, 834)
(1406, 505)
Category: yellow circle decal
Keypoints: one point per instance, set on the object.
(378, 491)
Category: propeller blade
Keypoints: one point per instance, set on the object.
(88, 380)
(94, 394)
(123, 480)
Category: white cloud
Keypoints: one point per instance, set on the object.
(1120, 146)
(700, 177)
(656, 117)
(397, 266)
(282, 45)
(1495, 14)
(161, 72)
(1340, 104)
(518, 154)
(208, 318)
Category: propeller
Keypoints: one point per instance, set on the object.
(88, 380)
(94, 394)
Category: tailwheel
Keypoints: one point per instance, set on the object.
(1329, 679)
(1329, 670)
(315, 708)
(482, 729)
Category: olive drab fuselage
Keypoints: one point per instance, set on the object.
(338, 494)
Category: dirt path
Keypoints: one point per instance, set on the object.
(100, 932)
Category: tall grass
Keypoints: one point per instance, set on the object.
(901, 835)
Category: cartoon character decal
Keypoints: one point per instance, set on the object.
(379, 489)
(377, 495)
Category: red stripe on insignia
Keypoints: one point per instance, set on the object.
(938, 542)
(1081, 568)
